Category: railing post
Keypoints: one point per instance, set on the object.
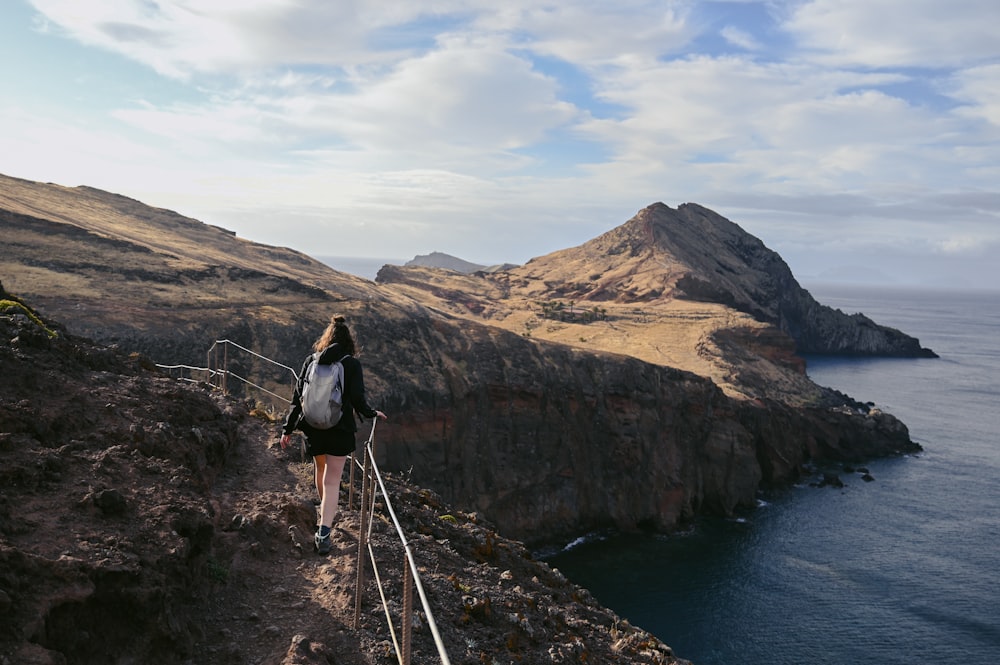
(362, 540)
(225, 368)
(350, 482)
(370, 471)
(354, 457)
(211, 365)
(407, 620)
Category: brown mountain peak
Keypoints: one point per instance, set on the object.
(659, 254)
(629, 263)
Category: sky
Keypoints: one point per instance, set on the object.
(860, 139)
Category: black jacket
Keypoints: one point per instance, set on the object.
(354, 394)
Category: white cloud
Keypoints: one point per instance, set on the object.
(463, 96)
(726, 123)
(464, 105)
(179, 38)
(979, 88)
(890, 33)
(740, 38)
(963, 244)
(594, 32)
(52, 150)
(171, 37)
(191, 125)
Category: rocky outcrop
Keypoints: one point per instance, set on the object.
(822, 330)
(732, 267)
(694, 253)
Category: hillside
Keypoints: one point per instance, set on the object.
(589, 363)
(145, 520)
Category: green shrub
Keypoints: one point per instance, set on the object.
(13, 307)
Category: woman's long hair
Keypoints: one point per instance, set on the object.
(337, 332)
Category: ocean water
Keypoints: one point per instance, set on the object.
(901, 570)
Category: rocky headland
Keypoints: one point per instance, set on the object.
(649, 376)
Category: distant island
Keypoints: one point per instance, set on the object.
(448, 262)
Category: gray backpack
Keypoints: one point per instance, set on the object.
(323, 394)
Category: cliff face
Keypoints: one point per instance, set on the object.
(584, 389)
(551, 441)
(727, 265)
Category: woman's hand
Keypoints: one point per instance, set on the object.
(285, 440)
(379, 414)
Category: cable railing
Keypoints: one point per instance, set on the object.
(411, 577)
(216, 374)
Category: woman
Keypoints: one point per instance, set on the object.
(329, 447)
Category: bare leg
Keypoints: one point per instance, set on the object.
(319, 468)
(331, 488)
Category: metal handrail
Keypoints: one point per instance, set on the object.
(409, 562)
(253, 353)
(212, 373)
(261, 388)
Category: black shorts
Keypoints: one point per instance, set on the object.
(330, 442)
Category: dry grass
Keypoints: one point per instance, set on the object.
(670, 332)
